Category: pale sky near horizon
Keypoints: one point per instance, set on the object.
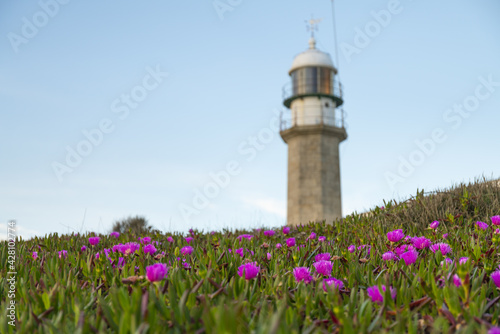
(173, 93)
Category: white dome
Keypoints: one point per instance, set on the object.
(312, 57)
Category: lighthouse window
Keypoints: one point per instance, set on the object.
(309, 80)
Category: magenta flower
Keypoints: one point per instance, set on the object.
(312, 236)
(395, 236)
(145, 240)
(286, 230)
(34, 255)
(246, 236)
(186, 250)
(290, 242)
(114, 234)
(495, 220)
(321, 238)
(494, 330)
(170, 239)
(63, 253)
(387, 256)
(278, 245)
(447, 261)
(96, 255)
(156, 272)
(188, 239)
(421, 242)
(323, 267)
(302, 274)
(250, 270)
(410, 257)
(376, 296)
(445, 236)
(351, 248)
(434, 224)
(463, 260)
(332, 283)
(269, 256)
(495, 277)
(456, 280)
(149, 249)
(402, 249)
(128, 248)
(322, 257)
(94, 240)
(482, 225)
(497, 231)
(441, 246)
(269, 233)
(240, 252)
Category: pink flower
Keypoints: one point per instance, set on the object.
(463, 260)
(332, 283)
(434, 224)
(495, 220)
(128, 248)
(322, 257)
(84, 248)
(351, 248)
(456, 280)
(482, 225)
(421, 242)
(269, 256)
(269, 233)
(323, 267)
(63, 253)
(494, 330)
(246, 236)
(387, 256)
(444, 248)
(170, 239)
(186, 250)
(445, 236)
(321, 238)
(286, 230)
(402, 249)
(278, 245)
(376, 296)
(495, 276)
(188, 239)
(34, 255)
(114, 234)
(240, 252)
(145, 240)
(94, 240)
(410, 257)
(290, 242)
(149, 249)
(395, 236)
(250, 270)
(446, 262)
(497, 231)
(302, 274)
(312, 236)
(156, 272)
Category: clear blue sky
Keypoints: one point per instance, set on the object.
(71, 71)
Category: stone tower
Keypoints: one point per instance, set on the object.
(313, 132)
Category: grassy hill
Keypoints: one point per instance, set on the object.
(391, 270)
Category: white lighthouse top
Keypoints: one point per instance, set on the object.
(312, 57)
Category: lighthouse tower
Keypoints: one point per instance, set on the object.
(313, 131)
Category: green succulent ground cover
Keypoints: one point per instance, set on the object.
(85, 294)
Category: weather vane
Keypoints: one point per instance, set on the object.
(312, 25)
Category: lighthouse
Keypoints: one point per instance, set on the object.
(313, 129)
